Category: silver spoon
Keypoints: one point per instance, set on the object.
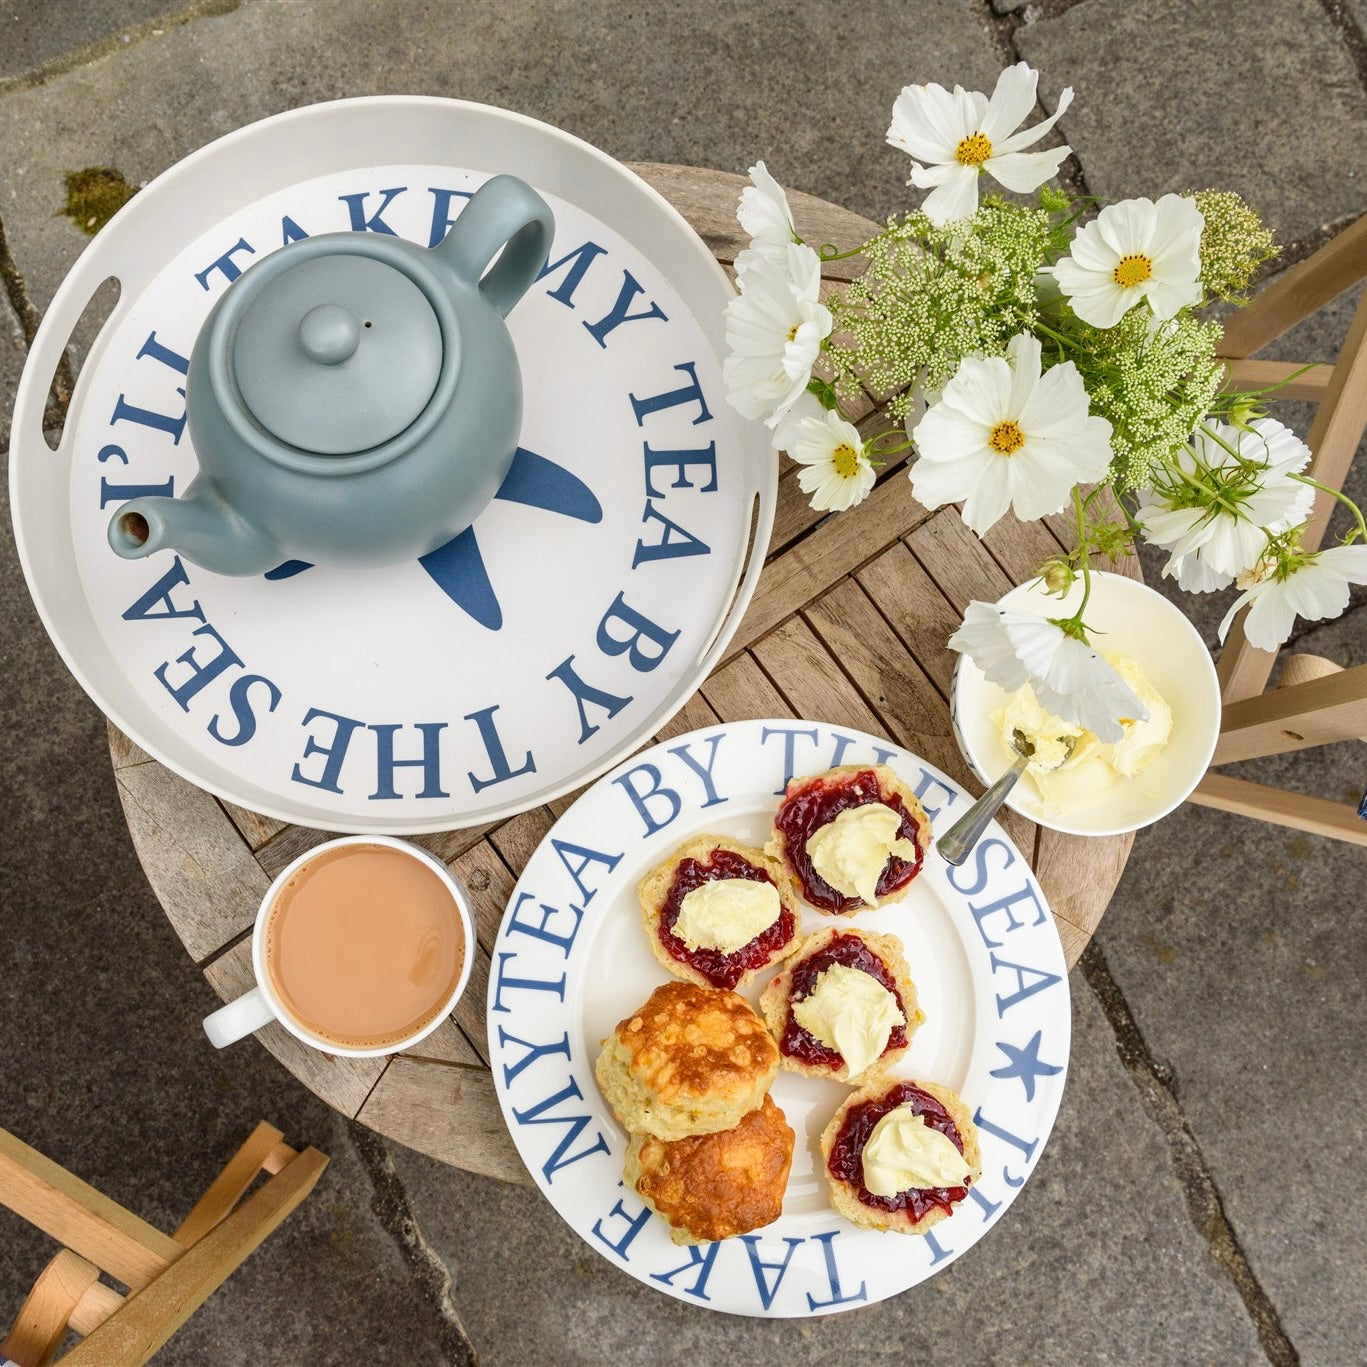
(959, 839)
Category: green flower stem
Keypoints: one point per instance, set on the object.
(828, 250)
(1074, 625)
(1361, 529)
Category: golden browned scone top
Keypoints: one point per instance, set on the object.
(689, 1041)
(713, 1186)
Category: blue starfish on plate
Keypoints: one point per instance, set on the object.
(1026, 1065)
(458, 568)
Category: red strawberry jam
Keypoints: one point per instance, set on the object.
(721, 970)
(847, 1153)
(852, 952)
(820, 800)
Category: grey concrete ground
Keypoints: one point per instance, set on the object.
(1202, 1198)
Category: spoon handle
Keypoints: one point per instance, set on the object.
(959, 839)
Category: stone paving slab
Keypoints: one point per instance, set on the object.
(1096, 1262)
(25, 44)
(1263, 99)
(1240, 948)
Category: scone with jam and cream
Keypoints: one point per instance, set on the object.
(691, 1060)
(851, 837)
(718, 912)
(713, 1186)
(900, 1155)
(844, 1006)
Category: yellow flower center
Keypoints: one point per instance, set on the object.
(846, 460)
(1132, 270)
(1006, 438)
(973, 150)
(792, 333)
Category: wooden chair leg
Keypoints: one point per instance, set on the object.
(85, 1220)
(1300, 812)
(149, 1318)
(1339, 424)
(42, 1321)
(96, 1306)
(228, 1186)
(1301, 291)
(1317, 712)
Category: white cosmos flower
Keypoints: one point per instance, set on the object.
(1315, 588)
(774, 331)
(1068, 677)
(961, 135)
(765, 215)
(835, 470)
(785, 433)
(1218, 532)
(1131, 251)
(1002, 435)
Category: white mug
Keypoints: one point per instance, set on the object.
(262, 1005)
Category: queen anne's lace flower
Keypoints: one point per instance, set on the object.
(1314, 587)
(774, 331)
(835, 470)
(1131, 251)
(964, 134)
(1068, 677)
(1214, 517)
(1002, 435)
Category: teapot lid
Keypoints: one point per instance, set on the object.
(337, 354)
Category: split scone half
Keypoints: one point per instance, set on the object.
(850, 837)
(900, 1155)
(717, 912)
(713, 1186)
(844, 1005)
(692, 1060)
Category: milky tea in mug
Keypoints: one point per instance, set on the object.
(363, 945)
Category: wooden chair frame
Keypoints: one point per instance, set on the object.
(1317, 702)
(168, 1277)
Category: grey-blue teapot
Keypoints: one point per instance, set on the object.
(353, 398)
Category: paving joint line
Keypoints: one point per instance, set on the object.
(120, 41)
(435, 1280)
(1205, 1208)
(1002, 28)
(16, 292)
(1350, 35)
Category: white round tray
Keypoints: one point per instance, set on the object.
(423, 696)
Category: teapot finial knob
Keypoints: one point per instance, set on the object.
(329, 334)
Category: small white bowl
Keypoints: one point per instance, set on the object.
(1125, 617)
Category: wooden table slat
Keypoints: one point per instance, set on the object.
(194, 857)
(803, 670)
(447, 1112)
(953, 557)
(741, 691)
(916, 610)
(838, 546)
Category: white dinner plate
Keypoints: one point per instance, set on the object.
(571, 960)
(594, 593)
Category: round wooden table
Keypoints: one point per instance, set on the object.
(849, 624)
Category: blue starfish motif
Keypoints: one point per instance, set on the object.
(1025, 1064)
(457, 568)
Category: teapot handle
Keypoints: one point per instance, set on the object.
(506, 213)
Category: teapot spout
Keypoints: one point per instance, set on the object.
(199, 525)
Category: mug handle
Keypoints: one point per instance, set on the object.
(506, 213)
(243, 1016)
